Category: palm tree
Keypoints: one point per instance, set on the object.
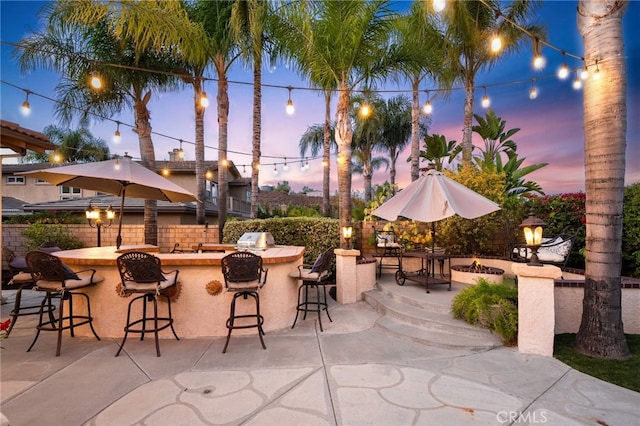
(81, 32)
(367, 135)
(249, 21)
(424, 56)
(437, 149)
(340, 45)
(470, 26)
(397, 130)
(601, 334)
(75, 146)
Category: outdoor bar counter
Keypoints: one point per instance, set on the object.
(196, 313)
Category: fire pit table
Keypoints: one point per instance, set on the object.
(469, 274)
(426, 274)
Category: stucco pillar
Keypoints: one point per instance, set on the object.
(346, 275)
(536, 319)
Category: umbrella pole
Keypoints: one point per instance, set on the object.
(119, 237)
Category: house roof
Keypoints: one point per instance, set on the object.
(12, 206)
(130, 205)
(19, 139)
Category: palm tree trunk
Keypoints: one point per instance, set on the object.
(257, 135)
(415, 131)
(326, 156)
(223, 121)
(148, 157)
(344, 135)
(601, 333)
(392, 168)
(467, 143)
(200, 183)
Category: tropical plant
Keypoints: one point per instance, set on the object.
(631, 231)
(396, 130)
(469, 27)
(437, 149)
(340, 45)
(601, 333)
(74, 146)
(315, 138)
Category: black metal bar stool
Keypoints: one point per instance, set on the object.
(314, 276)
(141, 273)
(58, 281)
(244, 276)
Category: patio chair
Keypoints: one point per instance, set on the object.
(387, 245)
(314, 276)
(244, 277)
(553, 251)
(141, 273)
(58, 281)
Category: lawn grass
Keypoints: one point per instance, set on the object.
(621, 373)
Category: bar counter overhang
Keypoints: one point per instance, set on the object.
(196, 313)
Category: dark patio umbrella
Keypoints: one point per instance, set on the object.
(121, 177)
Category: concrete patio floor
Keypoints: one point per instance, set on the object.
(353, 373)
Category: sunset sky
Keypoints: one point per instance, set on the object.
(551, 125)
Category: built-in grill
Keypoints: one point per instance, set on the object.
(255, 241)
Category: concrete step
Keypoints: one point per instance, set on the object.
(420, 316)
(400, 294)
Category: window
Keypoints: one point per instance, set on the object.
(41, 182)
(67, 192)
(16, 180)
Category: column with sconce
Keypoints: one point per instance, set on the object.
(94, 218)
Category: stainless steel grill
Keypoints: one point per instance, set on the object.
(255, 241)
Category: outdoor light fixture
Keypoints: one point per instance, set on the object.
(364, 109)
(486, 102)
(347, 232)
(93, 215)
(438, 5)
(204, 101)
(181, 152)
(584, 74)
(290, 107)
(577, 83)
(26, 107)
(563, 72)
(596, 74)
(95, 80)
(116, 135)
(208, 175)
(165, 172)
(538, 59)
(496, 43)
(427, 108)
(275, 170)
(285, 166)
(57, 158)
(533, 93)
(532, 227)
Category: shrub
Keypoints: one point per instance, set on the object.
(492, 306)
(45, 217)
(39, 235)
(631, 231)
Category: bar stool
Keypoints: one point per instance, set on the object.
(58, 281)
(141, 273)
(314, 276)
(244, 276)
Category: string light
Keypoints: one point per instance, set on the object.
(290, 107)
(577, 83)
(204, 101)
(165, 172)
(116, 135)
(285, 167)
(486, 102)
(584, 74)
(533, 93)
(95, 81)
(365, 110)
(427, 108)
(181, 152)
(496, 43)
(117, 165)
(26, 107)
(563, 72)
(275, 170)
(224, 163)
(596, 74)
(538, 60)
(57, 158)
(438, 5)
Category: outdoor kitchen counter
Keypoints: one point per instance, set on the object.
(196, 312)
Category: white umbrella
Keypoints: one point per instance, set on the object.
(121, 177)
(433, 197)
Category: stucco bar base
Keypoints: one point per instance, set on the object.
(536, 320)
(195, 311)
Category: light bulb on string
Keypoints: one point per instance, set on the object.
(486, 102)
(577, 83)
(427, 109)
(538, 60)
(204, 101)
(275, 170)
(438, 5)
(290, 108)
(57, 158)
(285, 166)
(244, 168)
(563, 71)
(95, 81)
(116, 135)
(496, 43)
(364, 109)
(181, 151)
(596, 74)
(584, 74)
(26, 107)
(117, 165)
(165, 172)
(208, 175)
(533, 93)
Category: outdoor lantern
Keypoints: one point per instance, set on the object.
(347, 232)
(93, 215)
(532, 227)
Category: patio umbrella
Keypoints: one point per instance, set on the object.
(433, 197)
(121, 177)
